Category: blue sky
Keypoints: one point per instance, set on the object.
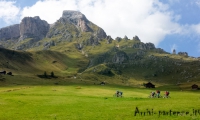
(169, 24)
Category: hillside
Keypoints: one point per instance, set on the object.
(75, 47)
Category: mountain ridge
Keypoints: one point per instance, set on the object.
(74, 46)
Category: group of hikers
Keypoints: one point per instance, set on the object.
(157, 94)
(152, 94)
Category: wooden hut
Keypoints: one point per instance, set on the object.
(195, 87)
(149, 85)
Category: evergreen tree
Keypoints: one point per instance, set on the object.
(45, 74)
(52, 74)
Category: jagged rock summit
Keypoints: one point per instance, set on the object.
(73, 25)
(77, 18)
(33, 27)
(70, 26)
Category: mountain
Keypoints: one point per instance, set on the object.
(74, 46)
(73, 25)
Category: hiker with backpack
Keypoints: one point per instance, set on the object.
(118, 93)
(152, 94)
(158, 93)
(166, 94)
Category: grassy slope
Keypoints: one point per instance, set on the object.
(64, 59)
(36, 62)
(134, 75)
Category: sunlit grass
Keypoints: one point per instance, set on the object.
(42, 99)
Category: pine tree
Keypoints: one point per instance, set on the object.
(52, 74)
(45, 74)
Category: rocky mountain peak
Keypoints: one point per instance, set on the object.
(33, 27)
(77, 18)
(70, 14)
(37, 18)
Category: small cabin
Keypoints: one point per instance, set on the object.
(9, 73)
(149, 85)
(195, 87)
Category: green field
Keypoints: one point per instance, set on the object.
(42, 99)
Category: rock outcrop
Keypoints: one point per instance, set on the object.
(136, 38)
(120, 57)
(33, 27)
(183, 53)
(82, 23)
(78, 19)
(143, 46)
(125, 37)
(174, 51)
(109, 39)
(73, 25)
(118, 39)
(10, 32)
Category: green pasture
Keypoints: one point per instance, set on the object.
(82, 101)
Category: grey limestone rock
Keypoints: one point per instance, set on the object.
(118, 39)
(77, 18)
(10, 32)
(125, 37)
(143, 46)
(33, 27)
(109, 39)
(136, 38)
(183, 53)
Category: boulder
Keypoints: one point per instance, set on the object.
(118, 39)
(136, 38)
(109, 39)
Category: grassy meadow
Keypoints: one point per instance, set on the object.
(34, 98)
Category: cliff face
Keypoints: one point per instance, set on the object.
(78, 19)
(78, 22)
(30, 27)
(33, 27)
(10, 32)
(73, 25)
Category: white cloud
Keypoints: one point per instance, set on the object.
(8, 11)
(149, 19)
(195, 28)
(49, 10)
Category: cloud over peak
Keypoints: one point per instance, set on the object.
(8, 11)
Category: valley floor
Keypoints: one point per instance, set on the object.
(43, 99)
